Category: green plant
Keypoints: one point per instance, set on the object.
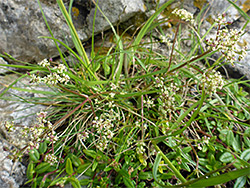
(116, 116)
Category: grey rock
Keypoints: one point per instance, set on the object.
(116, 11)
(21, 114)
(242, 68)
(4, 69)
(215, 8)
(12, 173)
(16, 110)
(21, 25)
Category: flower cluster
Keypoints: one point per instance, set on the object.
(212, 81)
(221, 19)
(166, 96)
(184, 15)
(104, 127)
(140, 149)
(61, 182)
(83, 136)
(10, 127)
(44, 63)
(57, 74)
(166, 39)
(50, 158)
(148, 103)
(35, 132)
(226, 41)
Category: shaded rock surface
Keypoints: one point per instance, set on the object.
(22, 23)
(20, 114)
(214, 8)
(12, 174)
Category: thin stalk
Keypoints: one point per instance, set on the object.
(73, 30)
(172, 50)
(170, 165)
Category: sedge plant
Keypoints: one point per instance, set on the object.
(137, 118)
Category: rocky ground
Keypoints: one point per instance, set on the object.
(18, 37)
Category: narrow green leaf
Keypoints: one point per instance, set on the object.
(230, 138)
(245, 155)
(128, 182)
(34, 155)
(236, 145)
(42, 167)
(43, 147)
(76, 39)
(30, 170)
(118, 68)
(69, 167)
(243, 14)
(226, 157)
(74, 182)
(221, 178)
(155, 168)
(147, 25)
(94, 166)
(240, 182)
(90, 153)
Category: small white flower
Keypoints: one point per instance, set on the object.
(184, 15)
(212, 81)
(112, 95)
(113, 86)
(44, 63)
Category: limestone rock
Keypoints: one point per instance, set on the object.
(21, 24)
(215, 8)
(4, 69)
(12, 174)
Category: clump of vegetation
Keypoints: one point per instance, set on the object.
(137, 118)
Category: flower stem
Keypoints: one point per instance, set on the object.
(171, 166)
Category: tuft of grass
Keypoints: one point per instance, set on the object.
(134, 117)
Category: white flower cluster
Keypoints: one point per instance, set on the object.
(57, 74)
(10, 126)
(166, 96)
(212, 81)
(184, 15)
(148, 103)
(104, 126)
(33, 133)
(37, 130)
(83, 135)
(50, 158)
(61, 182)
(166, 39)
(226, 42)
(113, 86)
(221, 19)
(140, 149)
(44, 63)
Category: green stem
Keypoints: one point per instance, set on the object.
(171, 166)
